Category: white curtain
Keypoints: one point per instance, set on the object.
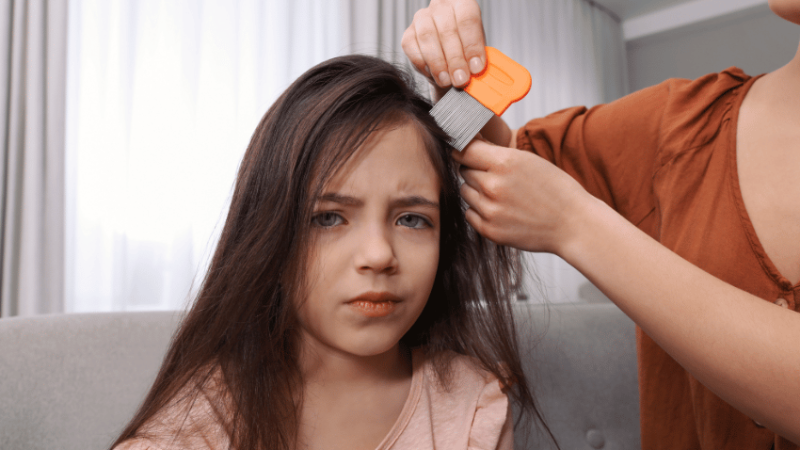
(164, 94)
(575, 53)
(32, 98)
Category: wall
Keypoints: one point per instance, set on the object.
(756, 41)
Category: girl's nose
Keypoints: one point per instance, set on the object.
(375, 251)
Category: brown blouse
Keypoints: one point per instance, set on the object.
(665, 158)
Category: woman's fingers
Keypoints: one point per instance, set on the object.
(485, 214)
(446, 40)
(475, 202)
(470, 30)
(476, 221)
(470, 177)
(456, 71)
(414, 53)
(471, 189)
(482, 192)
(430, 46)
(478, 154)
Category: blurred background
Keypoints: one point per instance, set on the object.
(123, 121)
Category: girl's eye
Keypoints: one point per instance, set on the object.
(327, 219)
(413, 221)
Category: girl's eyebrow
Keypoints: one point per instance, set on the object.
(415, 200)
(345, 200)
(402, 202)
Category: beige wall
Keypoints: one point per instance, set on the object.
(756, 41)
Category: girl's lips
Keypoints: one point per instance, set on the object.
(375, 304)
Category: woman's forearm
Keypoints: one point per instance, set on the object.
(741, 347)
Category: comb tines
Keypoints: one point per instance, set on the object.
(460, 116)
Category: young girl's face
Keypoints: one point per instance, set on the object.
(375, 247)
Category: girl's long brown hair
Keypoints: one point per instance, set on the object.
(242, 324)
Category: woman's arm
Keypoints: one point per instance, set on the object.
(725, 337)
(739, 346)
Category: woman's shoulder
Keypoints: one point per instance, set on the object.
(678, 94)
(678, 102)
(698, 107)
(711, 84)
(196, 418)
(670, 117)
(666, 118)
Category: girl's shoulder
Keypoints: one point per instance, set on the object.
(455, 382)
(459, 405)
(449, 367)
(196, 418)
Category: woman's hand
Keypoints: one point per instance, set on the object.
(518, 199)
(445, 42)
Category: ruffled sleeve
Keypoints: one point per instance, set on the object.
(614, 150)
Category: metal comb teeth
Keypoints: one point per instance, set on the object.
(460, 116)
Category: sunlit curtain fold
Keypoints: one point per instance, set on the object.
(32, 103)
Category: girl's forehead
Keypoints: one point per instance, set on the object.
(393, 155)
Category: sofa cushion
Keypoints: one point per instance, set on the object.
(581, 362)
(72, 381)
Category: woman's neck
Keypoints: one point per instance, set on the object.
(788, 76)
(777, 94)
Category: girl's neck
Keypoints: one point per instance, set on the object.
(350, 401)
(329, 367)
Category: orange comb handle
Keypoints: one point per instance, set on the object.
(501, 83)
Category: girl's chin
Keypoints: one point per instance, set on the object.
(374, 348)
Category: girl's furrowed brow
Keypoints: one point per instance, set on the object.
(345, 200)
(402, 202)
(415, 200)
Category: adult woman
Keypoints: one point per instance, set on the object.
(706, 167)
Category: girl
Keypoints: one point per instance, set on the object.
(348, 304)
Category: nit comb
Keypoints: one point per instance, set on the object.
(461, 113)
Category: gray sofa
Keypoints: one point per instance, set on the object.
(72, 381)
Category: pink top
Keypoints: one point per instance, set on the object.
(475, 414)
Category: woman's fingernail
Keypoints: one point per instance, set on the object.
(475, 65)
(444, 79)
(460, 77)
